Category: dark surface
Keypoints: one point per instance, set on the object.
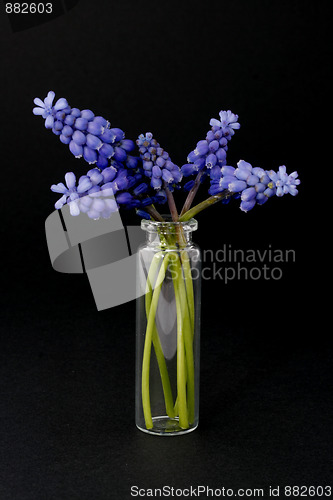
(67, 371)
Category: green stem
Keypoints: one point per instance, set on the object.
(188, 338)
(155, 338)
(189, 286)
(148, 341)
(204, 204)
(184, 350)
(181, 366)
(190, 303)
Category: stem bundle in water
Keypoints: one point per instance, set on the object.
(180, 271)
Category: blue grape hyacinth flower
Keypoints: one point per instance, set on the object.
(228, 123)
(71, 192)
(121, 180)
(212, 151)
(115, 171)
(284, 183)
(253, 185)
(99, 193)
(87, 195)
(47, 110)
(87, 136)
(157, 164)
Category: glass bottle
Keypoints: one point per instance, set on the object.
(168, 329)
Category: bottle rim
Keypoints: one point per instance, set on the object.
(168, 225)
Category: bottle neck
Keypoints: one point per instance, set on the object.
(168, 238)
(170, 234)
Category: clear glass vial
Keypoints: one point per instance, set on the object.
(168, 329)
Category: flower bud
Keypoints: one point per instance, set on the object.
(81, 124)
(245, 206)
(215, 173)
(79, 137)
(213, 146)
(156, 182)
(140, 189)
(76, 112)
(69, 120)
(156, 171)
(167, 175)
(225, 181)
(102, 162)
(124, 198)
(242, 174)
(118, 134)
(95, 128)
(202, 148)
(227, 170)
(93, 142)
(64, 139)
(106, 150)
(119, 154)
(189, 185)
(236, 186)
(248, 194)
(188, 169)
(75, 149)
(127, 145)
(90, 155)
(211, 160)
(87, 114)
(67, 131)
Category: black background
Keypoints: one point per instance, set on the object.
(67, 371)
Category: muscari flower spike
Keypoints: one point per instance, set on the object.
(82, 196)
(87, 135)
(284, 183)
(253, 185)
(157, 164)
(212, 151)
(115, 170)
(47, 110)
(99, 193)
(228, 123)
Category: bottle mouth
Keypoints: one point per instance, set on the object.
(168, 226)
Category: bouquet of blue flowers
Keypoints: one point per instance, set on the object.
(141, 175)
(147, 177)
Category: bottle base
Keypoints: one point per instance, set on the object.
(166, 426)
